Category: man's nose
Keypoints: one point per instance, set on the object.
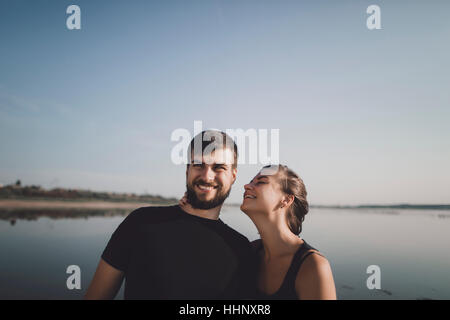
(248, 186)
(208, 174)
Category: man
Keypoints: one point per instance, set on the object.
(183, 252)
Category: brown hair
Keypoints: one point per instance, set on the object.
(219, 140)
(292, 184)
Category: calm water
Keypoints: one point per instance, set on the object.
(409, 246)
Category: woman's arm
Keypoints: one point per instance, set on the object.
(315, 280)
(106, 282)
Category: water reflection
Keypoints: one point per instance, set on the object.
(406, 244)
(12, 215)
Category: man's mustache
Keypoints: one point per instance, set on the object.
(203, 183)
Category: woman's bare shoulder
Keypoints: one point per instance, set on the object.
(315, 278)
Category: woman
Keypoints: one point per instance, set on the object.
(289, 268)
(275, 200)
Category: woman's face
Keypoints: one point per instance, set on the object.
(262, 194)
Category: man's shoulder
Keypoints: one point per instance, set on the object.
(256, 244)
(236, 234)
(153, 214)
(152, 209)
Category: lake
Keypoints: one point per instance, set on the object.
(409, 246)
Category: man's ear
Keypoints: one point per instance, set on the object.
(234, 173)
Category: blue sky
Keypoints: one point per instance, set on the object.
(363, 114)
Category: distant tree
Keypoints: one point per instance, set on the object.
(18, 183)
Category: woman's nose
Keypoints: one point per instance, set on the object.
(247, 186)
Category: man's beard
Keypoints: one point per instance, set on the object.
(196, 203)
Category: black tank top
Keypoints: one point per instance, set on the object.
(287, 289)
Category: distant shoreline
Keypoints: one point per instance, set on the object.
(18, 196)
(33, 209)
(392, 206)
(17, 192)
(71, 204)
(42, 203)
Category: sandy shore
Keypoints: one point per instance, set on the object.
(40, 204)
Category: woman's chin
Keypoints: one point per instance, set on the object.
(244, 208)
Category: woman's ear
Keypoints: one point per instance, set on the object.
(287, 201)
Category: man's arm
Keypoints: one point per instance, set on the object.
(315, 280)
(106, 282)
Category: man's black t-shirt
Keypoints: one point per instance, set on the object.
(167, 253)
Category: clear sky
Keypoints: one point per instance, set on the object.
(363, 114)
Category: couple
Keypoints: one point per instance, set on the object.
(187, 252)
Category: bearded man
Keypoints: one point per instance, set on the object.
(183, 251)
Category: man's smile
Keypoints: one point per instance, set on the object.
(205, 188)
